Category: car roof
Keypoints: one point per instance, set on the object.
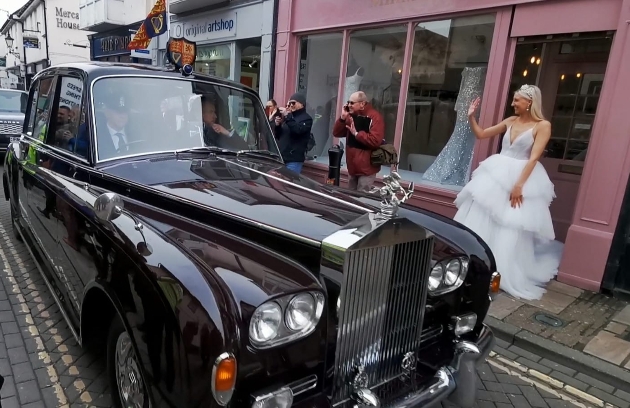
(96, 69)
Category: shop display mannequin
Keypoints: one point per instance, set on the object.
(452, 165)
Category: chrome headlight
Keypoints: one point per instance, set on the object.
(447, 275)
(285, 319)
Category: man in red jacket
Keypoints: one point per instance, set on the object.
(360, 145)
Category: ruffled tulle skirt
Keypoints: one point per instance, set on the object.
(521, 238)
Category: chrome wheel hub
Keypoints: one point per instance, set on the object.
(128, 378)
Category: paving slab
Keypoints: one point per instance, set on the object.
(503, 305)
(563, 288)
(616, 328)
(623, 316)
(607, 346)
(552, 301)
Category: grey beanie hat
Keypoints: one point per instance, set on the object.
(298, 97)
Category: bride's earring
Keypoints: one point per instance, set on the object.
(528, 108)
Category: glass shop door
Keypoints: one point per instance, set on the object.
(569, 69)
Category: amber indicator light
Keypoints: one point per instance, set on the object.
(495, 282)
(225, 375)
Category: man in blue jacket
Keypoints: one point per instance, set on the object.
(293, 132)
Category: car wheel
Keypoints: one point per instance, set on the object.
(15, 223)
(123, 367)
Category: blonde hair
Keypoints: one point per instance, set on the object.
(533, 94)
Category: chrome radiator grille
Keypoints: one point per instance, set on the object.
(10, 128)
(383, 295)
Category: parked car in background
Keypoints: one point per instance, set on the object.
(12, 109)
(172, 235)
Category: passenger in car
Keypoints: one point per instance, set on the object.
(112, 132)
(216, 135)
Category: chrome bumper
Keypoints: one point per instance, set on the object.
(455, 382)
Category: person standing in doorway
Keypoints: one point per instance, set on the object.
(293, 131)
(360, 143)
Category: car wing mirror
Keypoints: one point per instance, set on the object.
(108, 206)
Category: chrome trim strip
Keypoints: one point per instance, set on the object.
(303, 385)
(320, 194)
(187, 79)
(56, 149)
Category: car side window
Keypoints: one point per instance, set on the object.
(68, 130)
(43, 108)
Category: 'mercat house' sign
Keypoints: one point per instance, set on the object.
(67, 19)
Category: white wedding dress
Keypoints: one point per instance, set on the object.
(521, 238)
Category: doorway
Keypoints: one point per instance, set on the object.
(569, 69)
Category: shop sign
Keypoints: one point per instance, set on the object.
(67, 19)
(208, 28)
(213, 53)
(71, 92)
(114, 42)
(30, 43)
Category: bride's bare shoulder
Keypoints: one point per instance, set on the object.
(509, 121)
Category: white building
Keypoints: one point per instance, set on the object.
(42, 33)
(233, 41)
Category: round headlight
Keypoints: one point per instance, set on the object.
(300, 312)
(435, 279)
(453, 268)
(265, 322)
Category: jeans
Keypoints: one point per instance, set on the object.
(361, 183)
(295, 166)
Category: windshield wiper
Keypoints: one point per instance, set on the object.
(206, 149)
(259, 153)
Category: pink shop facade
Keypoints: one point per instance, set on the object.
(415, 59)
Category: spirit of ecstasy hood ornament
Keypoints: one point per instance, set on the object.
(392, 194)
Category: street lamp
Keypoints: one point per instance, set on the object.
(9, 41)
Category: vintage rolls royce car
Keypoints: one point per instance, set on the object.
(172, 236)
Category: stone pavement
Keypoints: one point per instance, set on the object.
(587, 333)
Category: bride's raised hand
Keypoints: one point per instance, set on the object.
(474, 106)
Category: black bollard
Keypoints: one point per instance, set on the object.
(335, 154)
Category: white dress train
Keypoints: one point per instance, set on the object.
(521, 238)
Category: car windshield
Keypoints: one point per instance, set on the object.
(140, 115)
(13, 101)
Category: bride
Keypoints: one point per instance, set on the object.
(507, 199)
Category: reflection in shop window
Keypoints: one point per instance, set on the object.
(318, 79)
(375, 59)
(448, 70)
(214, 60)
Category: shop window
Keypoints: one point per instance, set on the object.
(318, 79)
(448, 70)
(375, 60)
(214, 60)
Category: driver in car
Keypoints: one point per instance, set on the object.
(112, 126)
(216, 135)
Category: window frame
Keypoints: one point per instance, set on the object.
(53, 85)
(82, 111)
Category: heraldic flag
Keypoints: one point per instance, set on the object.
(152, 26)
